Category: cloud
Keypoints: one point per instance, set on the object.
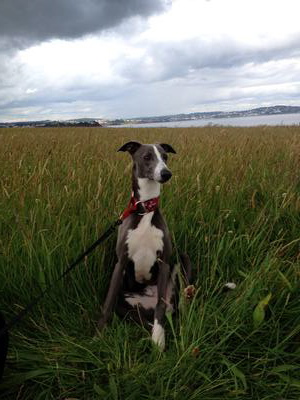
(99, 58)
(22, 22)
(128, 78)
(161, 61)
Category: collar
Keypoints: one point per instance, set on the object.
(148, 206)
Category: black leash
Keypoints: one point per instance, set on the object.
(17, 318)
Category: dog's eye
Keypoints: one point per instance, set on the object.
(165, 157)
(147, 157)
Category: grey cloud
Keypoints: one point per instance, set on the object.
(48, 97)
(22, 22)
(164, 61)
(233, 88)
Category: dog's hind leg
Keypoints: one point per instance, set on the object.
(136, 314)
(114, 288)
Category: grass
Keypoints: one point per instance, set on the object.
(233, 204)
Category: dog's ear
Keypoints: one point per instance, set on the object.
(130, 146)
(167, 148)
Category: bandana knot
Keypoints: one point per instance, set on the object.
(148, 206)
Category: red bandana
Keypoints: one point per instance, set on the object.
(149, 205)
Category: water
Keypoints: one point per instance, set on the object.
(280, 119)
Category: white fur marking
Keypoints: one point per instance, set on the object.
(148, 189)
(160, 165)
(158, 335)
(147, 300)
(143, 244)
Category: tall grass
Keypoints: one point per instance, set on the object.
(233, 204)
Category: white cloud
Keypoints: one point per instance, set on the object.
(30, 91)
(253, 22)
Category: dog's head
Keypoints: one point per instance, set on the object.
(150, 160)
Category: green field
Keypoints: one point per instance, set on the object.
(233, 204)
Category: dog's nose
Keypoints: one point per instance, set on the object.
(165, 175)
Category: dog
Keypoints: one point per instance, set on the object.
(142, 286)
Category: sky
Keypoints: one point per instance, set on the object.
(64, 59)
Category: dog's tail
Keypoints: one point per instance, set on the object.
(186, 269)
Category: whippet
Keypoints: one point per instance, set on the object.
(142, 283)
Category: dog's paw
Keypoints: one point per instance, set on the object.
(158, 335)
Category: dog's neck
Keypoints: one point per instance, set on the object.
(145, 189)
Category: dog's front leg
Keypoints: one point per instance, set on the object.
(158, 332)
(114, 287)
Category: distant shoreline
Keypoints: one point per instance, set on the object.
(274, 115)
(253, 120)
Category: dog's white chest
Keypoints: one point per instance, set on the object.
(143, 244)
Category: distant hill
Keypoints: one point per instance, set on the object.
(88, 122)
(92, 122)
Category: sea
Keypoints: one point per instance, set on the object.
(255, 120)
